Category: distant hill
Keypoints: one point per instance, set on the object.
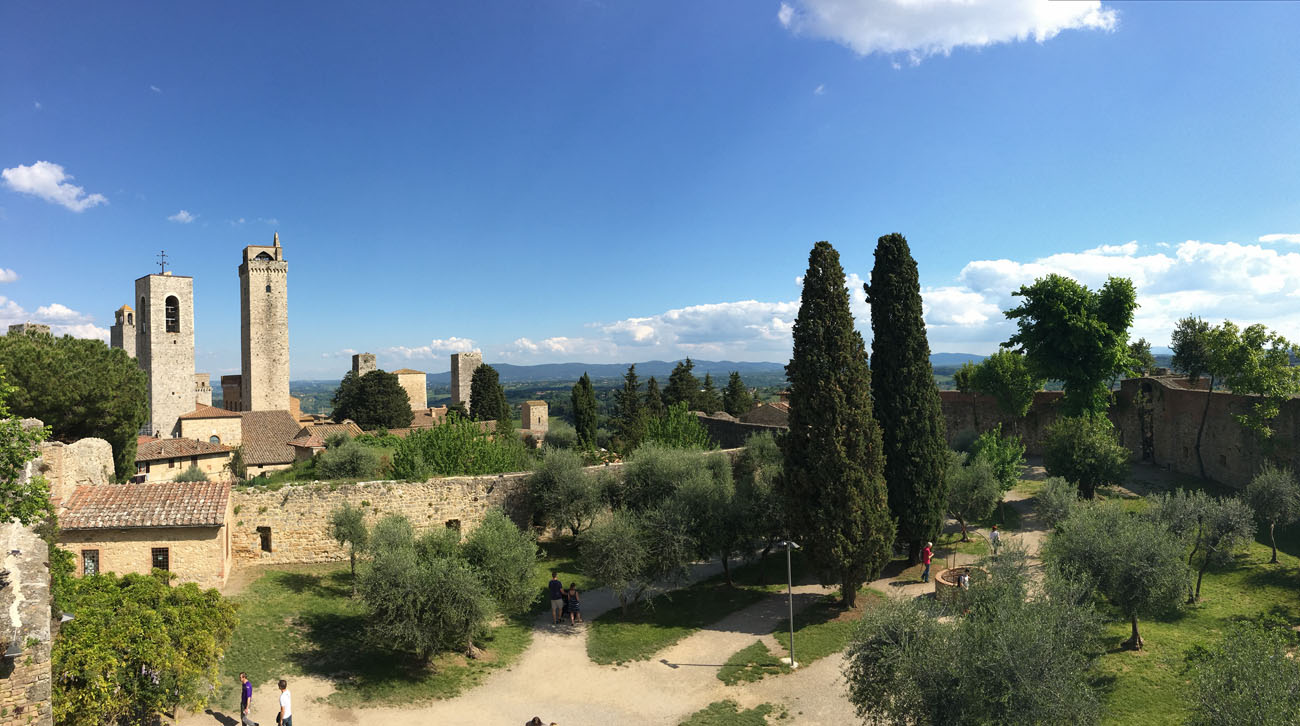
(954, 359)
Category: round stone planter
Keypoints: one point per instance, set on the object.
(946, 587)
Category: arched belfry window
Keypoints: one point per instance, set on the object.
(130, 319)
(172, 310)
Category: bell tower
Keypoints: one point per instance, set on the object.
(264, 328)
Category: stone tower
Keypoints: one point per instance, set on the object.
(122, 334)
(414, 383)
(363, 363)
(462, 370)
(164, 347)
(264, 328)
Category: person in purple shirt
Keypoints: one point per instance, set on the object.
(245, 700)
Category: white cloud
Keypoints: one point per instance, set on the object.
(155, 89)
(61, 319)
(49, 182)
(820, 90)
(1288, 238)
(436, 348)
(7, 275)
(921, 28)
(183, 217)
(269, 220)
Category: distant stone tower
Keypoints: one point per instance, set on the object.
(232, 393)
(24, 328)
(363, 363)
(164, 346)
(462, 370)
(536, 416)
(122, 334)
(202, 389)
(416, 387)
(264, 328)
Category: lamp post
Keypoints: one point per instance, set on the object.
(789, 584)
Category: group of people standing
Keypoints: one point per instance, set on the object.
(284, 716)
(564, 602)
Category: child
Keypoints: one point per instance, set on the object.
(575, 604)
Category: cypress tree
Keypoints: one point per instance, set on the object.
(487, 399)
(584, 412)
(736, 399)
(906, 396)
(631, 422)
(708, 401)
(833, 484)
(373, 401)
(654, 403)
(683, 386)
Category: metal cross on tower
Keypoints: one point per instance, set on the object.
(162, 261)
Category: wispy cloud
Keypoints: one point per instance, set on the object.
(7, 275)
(183, 217)
(435, 348)
(820, 90)
(1288, 238)
(37, 105)
(50, 182)
(155, 89)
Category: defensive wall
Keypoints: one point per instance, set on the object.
(731, 434)
(964, 413)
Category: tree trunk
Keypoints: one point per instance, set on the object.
(726, 569)
(1196, 546)
(353, 557)
(1135, 642)
(1273, 540)
(913, 552)
(1205, 412)
(962, 522)
(848, 590)
(473, 652)
(1205, 565)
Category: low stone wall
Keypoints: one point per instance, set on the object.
(25, 604)
(731, 434)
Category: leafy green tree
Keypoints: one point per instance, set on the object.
(348, 528)
(679, 428)
(1198, 352)
(833, 483)
(1071, 334)
(708, 400)
(1258, 363)
(715, 515)
(584, 412)
(1006, 454)
(26, 501)
(973, 490)
(487, 399)
(503, 556)
(1006, 377)
(373, 401)
(905, 396)
(654, 472)
(1227, 525)
(1248, 677)
(192, 474)
(683, 386)
(757, 470)
(1135, 561)
(1275, 497)
(564, 494)
(630, 415)
(736, 398)
(1056, 501)
(348, 460)
(1143, 363)
(613, 551)
(78, 388)
(1086, 451)
(654, 403)
(964, 377)
(458, 447)
(137, 649)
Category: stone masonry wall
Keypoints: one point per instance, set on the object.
(166, 358)
(965, 412)
(195, 554)
(25, 620)
(68, 466)
(462, 371)
(416, 389)
(732, 434)
(264, 328)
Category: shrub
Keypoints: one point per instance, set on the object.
(1057, 499)
(1005, 454)
(192, 474)
(654, 472)
(1085, 451)
(503, 556)
(1248, 677)
(347, 460)
(457, 447)
(678, 428)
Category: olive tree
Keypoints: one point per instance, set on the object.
(564, 493)
(348, 528)
(1056, 501)
(973, 489)
(1275, 496)
(1247, 677)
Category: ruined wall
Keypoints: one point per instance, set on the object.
(731, 434)
(25, 620)
(965, 412)
(68, 466)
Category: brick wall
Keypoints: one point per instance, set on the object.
(964, 413)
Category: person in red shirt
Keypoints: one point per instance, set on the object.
(926, 553)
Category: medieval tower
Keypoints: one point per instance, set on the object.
(164, 346)
(122, 334)
(462, 371)
(264, 328)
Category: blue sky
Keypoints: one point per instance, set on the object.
(598, 181)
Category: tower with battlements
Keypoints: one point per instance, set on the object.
(363, 363)
(264, 328)
(164, 347)
(462, 371)
(122, 334)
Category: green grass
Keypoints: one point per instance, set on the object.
(824, 628)
(728, 713)
(751, 663)
(616, 637)
(303, 621)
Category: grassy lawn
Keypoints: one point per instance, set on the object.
(728, 713)
(562, 555)
(751, 663)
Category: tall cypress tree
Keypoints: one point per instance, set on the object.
(833, 483)
(631, 423)
(906, 396)
(584, 412)
(708, 400)
(487, 399)
(683, 386)
(736, 398)
(654, 403)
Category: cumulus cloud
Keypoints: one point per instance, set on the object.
(183, 217)
(933, 27)
(62, 319)
(1293, 239)
(436, 348)
(7, 275)
(49, 182)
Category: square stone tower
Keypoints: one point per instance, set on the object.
(164, 346)
(202, 389)
(414, 383)
(232, 392)
(122, 334)
(264, 328)
(363, 363)
(462, 371)
(536, 416)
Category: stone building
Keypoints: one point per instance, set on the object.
(122, 334)
(462, 371)
(232, 393)
(164, 346)
(125, 528)
(363, 363)
(21, 328)
(536, 417)
(264, 328)
(265, 437)
(202, 389)
(416, 387)
(159, 460)
(212, 425)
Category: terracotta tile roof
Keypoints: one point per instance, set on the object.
(205, 411)
(155, 449)
(326, 430)
(311, 442)
(266, 436)
(170, 504)
(401, 371)
(142, 440)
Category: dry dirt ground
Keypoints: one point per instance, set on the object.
(554, 678)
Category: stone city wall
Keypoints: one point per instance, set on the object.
(68, 466)
(730, 434)
(964, 413)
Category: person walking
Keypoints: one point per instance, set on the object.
(575, 604)
(285, 717)
(245, 700)
(556, 589)
(926, 553)
(995, 539)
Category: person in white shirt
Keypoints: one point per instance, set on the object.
(286, 705)
(995, 538)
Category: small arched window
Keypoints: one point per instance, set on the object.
(268, 288)
(130, 319)
(214, 439)
(172, 310)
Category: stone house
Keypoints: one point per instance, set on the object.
(213, 425)
(174, 526)
(165, 459)
(769, 414)
(265, 437)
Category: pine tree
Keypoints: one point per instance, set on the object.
(630, 412)
(654, 403)
(683, 386)
(708, 400)
(487, 399)
(584, 412)
(736, 398)
(906, 397)
(833, 483)
(373, 401)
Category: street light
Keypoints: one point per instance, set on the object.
(789, 583)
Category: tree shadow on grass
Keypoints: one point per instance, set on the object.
(1279, 576)
(332, 584)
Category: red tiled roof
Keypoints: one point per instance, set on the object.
(312, 442)
(206, 411)
(170, 504)
(155, 449)
(401, 371)
(266, 436)
(326, 430)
